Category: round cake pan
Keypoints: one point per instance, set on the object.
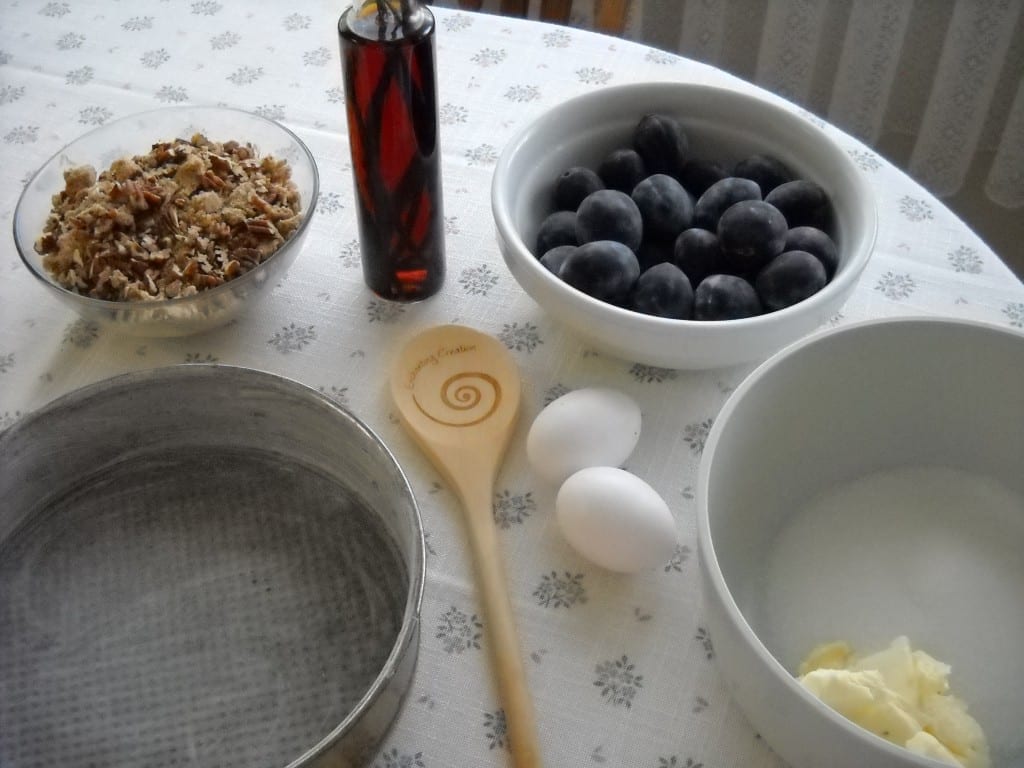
(203, 566)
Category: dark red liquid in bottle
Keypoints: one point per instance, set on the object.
(391, 104)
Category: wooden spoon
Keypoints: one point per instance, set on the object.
(457, 392)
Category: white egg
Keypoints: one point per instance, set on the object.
(588, 427)
(615, 519)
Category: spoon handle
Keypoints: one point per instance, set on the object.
(501, 631)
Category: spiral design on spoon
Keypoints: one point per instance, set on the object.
(464, 399)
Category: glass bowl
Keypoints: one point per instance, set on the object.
(135, 135)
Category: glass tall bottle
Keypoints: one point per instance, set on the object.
(388, 64)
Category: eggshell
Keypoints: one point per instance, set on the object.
(588, 427)
(615, 519)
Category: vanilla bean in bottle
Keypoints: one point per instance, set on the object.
(388, 64)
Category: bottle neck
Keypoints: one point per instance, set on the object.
(388, 19)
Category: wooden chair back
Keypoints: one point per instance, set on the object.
(609, 15)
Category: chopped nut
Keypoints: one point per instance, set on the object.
(213, 181)
(261, 227)
(78, 179)
(123, 169)
(187, 216)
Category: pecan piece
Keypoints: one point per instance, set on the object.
(261, 227)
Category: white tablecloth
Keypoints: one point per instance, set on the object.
(621, 668)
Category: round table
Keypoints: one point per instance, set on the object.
(622, 669)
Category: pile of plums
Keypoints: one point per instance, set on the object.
(654, 230)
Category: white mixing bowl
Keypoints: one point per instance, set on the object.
(862, 484)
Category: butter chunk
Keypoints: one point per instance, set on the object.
(900, 694)
(826, 656)
(865, 698)
(928, 746)
(954, 727)
(897, 668)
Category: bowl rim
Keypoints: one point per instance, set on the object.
(711, 571)
(182, 301)
(501, 207)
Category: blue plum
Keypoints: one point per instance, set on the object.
(697, 252)
(817, 243)
(662, 143)
(558, 228)
(663, 291)
(789, 278)
(609, 214)
(603, 269)
(697, 175)
(768, 171)
(665, 207)
(751, 233)
(622, 169)
(725, 297)
(554, 258)
(712, 204)
(804, 204)
(574, 185)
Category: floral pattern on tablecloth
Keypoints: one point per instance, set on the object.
(622, 669)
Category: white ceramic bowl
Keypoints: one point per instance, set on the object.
(722, 125)
(135, 135)
(862, 484)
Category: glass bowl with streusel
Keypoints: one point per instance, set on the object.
(168, 222)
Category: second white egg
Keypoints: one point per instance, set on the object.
(615, 519)
(589, 427)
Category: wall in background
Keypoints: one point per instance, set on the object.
(934, 86)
